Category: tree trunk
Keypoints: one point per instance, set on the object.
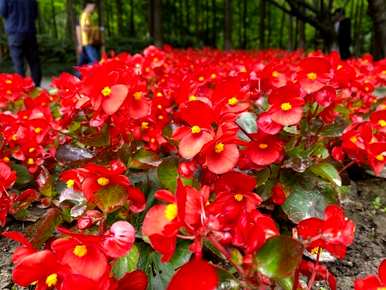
(228, 24)
(377, 11)
(53, 14)
(214, 23)
(281, 34)
(155, 21)
(71, 22)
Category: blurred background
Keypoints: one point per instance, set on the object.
(131, 25)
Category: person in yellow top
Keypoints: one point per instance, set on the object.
(88, 36)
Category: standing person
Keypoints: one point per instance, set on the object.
(89, 36)
(343, 31)
(20, 16)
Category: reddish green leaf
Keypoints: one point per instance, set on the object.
(110, 198)
(279, 257)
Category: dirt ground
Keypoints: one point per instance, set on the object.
(362, 258)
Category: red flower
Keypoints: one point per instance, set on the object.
(278, 194)
(221, 154)
(334, 233)
(119, 239)
(373, 282)
(314, 73)
(195, 275)
(286, 105)
(264, 149)
(307, 268)
(136, 280)
(199, 116)
(41, 268)
(83, 255)
(7, 176)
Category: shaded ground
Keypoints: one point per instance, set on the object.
(369, 247)
(362, 258)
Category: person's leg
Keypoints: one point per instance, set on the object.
(92, 53)
(31, 50)
(15, 42)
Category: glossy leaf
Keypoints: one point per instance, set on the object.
(127, 263)
(327, 171)
(22, 175)
(110, 198)
(167, 173)
(279, 257)
(69, 153)
(46, 226)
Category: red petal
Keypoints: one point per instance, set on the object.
(155, 220)
(267, 125)
(195, 275)
(34, 267)
(192, 144)
(382, 272)
(136, 280)
(113, 102)
(119, 239)
(290, 117)
(223, 162)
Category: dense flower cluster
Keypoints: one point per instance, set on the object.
(151, 152)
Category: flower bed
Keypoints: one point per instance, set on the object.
(189, 169)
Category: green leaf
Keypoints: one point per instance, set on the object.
(97, 138)
(159, 273)
(262, 176)
(22, 175)
(126, 264)
(279, 257)
(144, 159)
(327, 171)
(167, 173)
(247, 121)
(308, 195)
(110, 198)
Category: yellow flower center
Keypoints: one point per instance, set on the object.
(380, 157)
(106, 91)
(196, 129)
(37, 130)
(8, 82)
(171, 211)
(160, 117)
(275, 74)
(159, 107)
(51, 280)
(263, 146)
(339, 67)
(32, 149)
(14, 137)
(312, 76)
(213, 76)
(384, 72)
(152, 140)
(6, 159)
(70, 183)
(137, 96)
(30, 161)
(286, 106)
(219, 147)
(192, 98)
(382, 123)
(315, 250)
(233, 101)
(8, 92)
(201, 78)
(80, 250)
(238, 197)
(103, 181)
(159, 94)
(144, 125)
(354, 139)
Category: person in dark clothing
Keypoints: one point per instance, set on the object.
(20, 16)
(343, 31)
